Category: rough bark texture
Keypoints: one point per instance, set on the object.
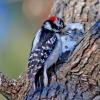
(79, 77)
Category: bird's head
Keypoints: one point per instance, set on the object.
(54, 24)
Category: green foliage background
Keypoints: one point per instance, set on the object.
(15, 40)
(18, 23)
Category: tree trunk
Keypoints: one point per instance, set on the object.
(79, 77)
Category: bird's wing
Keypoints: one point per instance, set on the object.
(40, 54)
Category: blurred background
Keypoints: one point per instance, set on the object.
(19, 20)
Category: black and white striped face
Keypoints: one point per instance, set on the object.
(54, 24)
(59, 23)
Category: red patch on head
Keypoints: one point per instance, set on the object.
(52, 18)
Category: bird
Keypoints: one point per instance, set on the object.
(45, 50)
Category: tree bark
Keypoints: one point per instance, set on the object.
(79, 77)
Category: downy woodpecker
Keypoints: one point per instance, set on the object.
(46, 49)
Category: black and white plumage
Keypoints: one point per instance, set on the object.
(46, 49)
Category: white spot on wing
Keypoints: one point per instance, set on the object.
(41, 54)
(47, 47)
(39, 67)
(48, 42)
(35, 54)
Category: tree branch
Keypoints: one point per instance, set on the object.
(79, 77)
